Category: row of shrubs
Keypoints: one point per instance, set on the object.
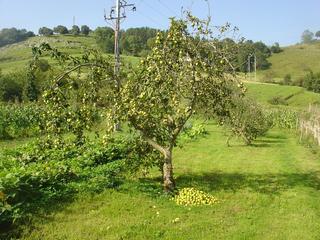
(32, 177)
(311, 81)
(249, 120)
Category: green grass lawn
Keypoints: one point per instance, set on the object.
(266, 191)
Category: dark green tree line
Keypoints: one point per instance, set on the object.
(13, 35)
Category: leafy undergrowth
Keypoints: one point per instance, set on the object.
(33, 178)
(269, 190)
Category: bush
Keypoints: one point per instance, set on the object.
(277, 100)
(20, 120)
(287, 80)
(312, 82)
(23, 85)
(11, 86)
(33, 176)
(269, 77)
(247, 120)
(275, 48)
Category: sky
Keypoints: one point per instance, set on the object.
(269, 21)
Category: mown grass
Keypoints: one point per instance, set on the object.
(266, 191)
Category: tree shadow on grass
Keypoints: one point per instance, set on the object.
(41, 210)
(262, 183)
(270, 184)
(270, 140)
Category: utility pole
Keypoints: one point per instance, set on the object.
(117, 13)
(254, 66)
(249, 66)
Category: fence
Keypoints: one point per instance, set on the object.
(309, 124)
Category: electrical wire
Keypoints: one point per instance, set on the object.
(155, 10)
(168, 8)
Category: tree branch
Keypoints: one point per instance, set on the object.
(155, 145)
(77, 67)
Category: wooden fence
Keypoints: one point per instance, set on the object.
(309, 124)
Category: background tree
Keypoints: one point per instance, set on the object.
(287, 80)
(312, 82)
(307, 36)
(11, 86)
(105, 39)
(134, 41)
(13, 35)
(275, 48)
(44, 31)
(61, 29)
(75, 30)
(317, 34)
(85, 30)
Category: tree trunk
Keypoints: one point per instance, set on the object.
(168, 181)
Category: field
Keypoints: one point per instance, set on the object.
(295, 60)
(266, 191)
(17, 55)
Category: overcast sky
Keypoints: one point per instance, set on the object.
(270, 21)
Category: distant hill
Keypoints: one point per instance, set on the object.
(16, 56)
(295, 60)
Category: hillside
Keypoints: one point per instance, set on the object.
(16, 56)
(296, 97)
(294, 60)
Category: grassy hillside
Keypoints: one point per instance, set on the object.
(266, 191)
(295, 96)
(16, 56)
(294, 60)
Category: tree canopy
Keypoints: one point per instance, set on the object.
(307, 36)
(45, 31)
(13, 35)
(133, 41)
(85, 30)
(75, 30)
(61, 29)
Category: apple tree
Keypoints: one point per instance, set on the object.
(187, 72)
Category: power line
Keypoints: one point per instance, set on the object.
(168, 8)
(155, 10)
(151, 19)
